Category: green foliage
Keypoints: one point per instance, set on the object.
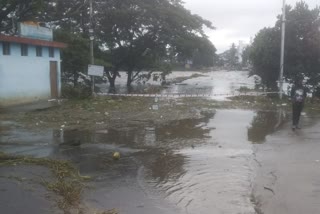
(75, 58)
(146, 34)
(203, 52)
(302, 45)
(81, 91)
(19, 10)
(265, 56)
(231, 57)
(246, 56)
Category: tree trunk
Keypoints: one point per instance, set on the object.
(112, 82)
(129, 79)
(75, 79)
(112, 79)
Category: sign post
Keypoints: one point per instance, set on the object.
(91, 44)
(95, 71)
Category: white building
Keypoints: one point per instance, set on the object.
(29, 66)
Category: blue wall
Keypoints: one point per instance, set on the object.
(26, 78)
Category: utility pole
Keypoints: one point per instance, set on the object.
(91, 43)
(283, 33)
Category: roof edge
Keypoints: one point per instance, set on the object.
(23, 40)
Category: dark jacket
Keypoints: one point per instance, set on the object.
(298, 94)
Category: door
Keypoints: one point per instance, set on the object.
(54, 79)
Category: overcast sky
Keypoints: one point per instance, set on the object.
(238, 19)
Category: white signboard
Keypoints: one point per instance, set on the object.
(35, 32)
(95, 70)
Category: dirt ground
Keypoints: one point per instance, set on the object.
(104, 112)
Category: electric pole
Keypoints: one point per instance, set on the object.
(91, 42)
(283, 32)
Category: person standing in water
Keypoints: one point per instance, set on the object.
(298, 97)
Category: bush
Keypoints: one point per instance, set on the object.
(79, 92)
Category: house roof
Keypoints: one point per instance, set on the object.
(29, 41)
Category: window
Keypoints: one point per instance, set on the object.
(51, 52)
(39, 51)
(6, 48)
(24, 50)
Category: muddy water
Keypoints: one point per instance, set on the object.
(218, 175)
(215, 82)
(188, 166)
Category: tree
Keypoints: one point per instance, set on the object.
(265, 56)
(230, 58)
(70, 15)
(12, 11)
(142, 35)
(75, 58)
(204, 53)
(302, 47)
(246, 56)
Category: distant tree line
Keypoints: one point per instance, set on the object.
(229, 59)
(130, 35)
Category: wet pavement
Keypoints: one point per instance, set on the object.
(233, 161)
(287, 179)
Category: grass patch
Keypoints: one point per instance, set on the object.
(70, 190)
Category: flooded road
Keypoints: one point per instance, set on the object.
(187, 166)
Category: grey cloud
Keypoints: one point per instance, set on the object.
(241, 18)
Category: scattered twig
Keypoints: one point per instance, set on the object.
(271, 190)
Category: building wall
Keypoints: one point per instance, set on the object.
(26, 78)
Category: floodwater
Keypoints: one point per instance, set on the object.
(187, 166)
(220, 84)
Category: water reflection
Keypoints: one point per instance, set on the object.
(264, 124)
(49, 142)
(184, 129)
(165, 166)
